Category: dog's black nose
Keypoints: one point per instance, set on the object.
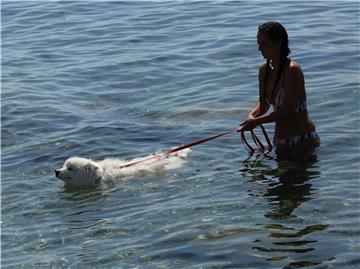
(57, 172)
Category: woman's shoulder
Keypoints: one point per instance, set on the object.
(293, 72)
(262, 67)
(294, 66)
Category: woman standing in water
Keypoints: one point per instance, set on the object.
(281, 85)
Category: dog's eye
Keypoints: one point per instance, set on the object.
(70, 168)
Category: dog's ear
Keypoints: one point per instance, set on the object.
(91, 167)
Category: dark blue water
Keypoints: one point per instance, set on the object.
(126, 79)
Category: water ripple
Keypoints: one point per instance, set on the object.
(126, 79)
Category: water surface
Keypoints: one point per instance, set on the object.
(126, 79)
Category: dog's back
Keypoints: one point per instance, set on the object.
(155, 166)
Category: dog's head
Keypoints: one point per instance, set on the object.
(80, 172)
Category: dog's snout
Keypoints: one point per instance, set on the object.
(57, 172)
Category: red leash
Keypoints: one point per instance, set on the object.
(246, 144)
(167, 152)
(257, 141)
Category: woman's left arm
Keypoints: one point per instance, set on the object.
(294, 80)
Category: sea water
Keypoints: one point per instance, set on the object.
(126, 79)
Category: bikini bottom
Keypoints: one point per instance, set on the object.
(289, 142)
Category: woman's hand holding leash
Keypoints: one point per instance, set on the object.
(248, 125)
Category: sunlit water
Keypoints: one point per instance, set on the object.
(126, 79)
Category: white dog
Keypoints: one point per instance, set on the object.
(80, 172)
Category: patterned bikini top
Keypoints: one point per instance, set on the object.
(279, 99)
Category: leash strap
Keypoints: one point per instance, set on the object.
(248, 147)
(268, 141)
(167, 152)
(257, 141)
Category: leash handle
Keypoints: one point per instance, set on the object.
(247, 146)
(268, 141)
(257, 141)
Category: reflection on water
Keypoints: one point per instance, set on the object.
(291, 189)
(288, 186)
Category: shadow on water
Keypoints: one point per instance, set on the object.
(287, 187)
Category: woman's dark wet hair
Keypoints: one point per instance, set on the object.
(275, 31)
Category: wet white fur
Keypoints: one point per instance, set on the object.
(80, 172)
